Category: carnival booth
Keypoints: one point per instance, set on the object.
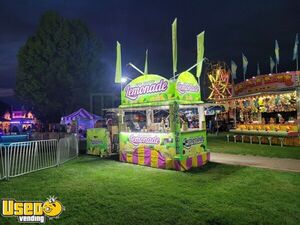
(98, 142)
(266, 109)
(17, 121)
(162, 123)
(103, 139)
(80, 120)
(4, 126)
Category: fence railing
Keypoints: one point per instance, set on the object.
(2, 162)
(68, 148)
(21, 158)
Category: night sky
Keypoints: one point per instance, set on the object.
(231, 27)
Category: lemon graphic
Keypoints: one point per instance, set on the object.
(52, 207)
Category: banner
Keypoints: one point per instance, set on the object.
(233, 69)
(200, 53)
(146, 63)
(277, 51)
(245, 64)
(295, 52)
(118, 74)
(174, 45)
(272, 64)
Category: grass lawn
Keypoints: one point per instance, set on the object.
(96, 191)
(219, 144)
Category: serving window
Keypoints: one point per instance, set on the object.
(146, 120)
(158, 119)
(161, 120)
(191, 118)
(135, 121)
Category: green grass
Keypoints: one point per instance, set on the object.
(96, 191)
(219, 144)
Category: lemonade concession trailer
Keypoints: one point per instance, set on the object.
(162, 123)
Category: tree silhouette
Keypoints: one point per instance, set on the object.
(58, 67)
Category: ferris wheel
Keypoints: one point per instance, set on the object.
(219, 77)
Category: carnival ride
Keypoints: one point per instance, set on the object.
(219, 77)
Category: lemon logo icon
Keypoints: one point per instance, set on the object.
(52, 207)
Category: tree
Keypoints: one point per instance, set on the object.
(3, 108)
(58, 67)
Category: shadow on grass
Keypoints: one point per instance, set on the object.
(212, 167)
(206, 167)
(87, 159)
(112, 157)
(209, 167)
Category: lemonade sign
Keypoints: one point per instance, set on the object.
(187, 87)
(32, 211)
(137, 139)
(160, 142)
(193, 143)
(154, 88)
(147, 88)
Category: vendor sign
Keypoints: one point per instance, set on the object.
(147, 88)
(148, 149)
(187, 87)
(193, 143)
(163, 142)
(267, 83)
(155, 88)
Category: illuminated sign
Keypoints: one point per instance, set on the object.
(133, 92)
(266, 83)
(183, 88)
(137, 139)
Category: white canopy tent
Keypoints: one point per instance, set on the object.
(83, 119)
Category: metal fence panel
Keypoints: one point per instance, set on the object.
(26, 157)
(21, 158)
(2, 162)
(67, 149)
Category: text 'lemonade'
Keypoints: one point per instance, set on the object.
(185, 87)
(136, 139)
(133, 92)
